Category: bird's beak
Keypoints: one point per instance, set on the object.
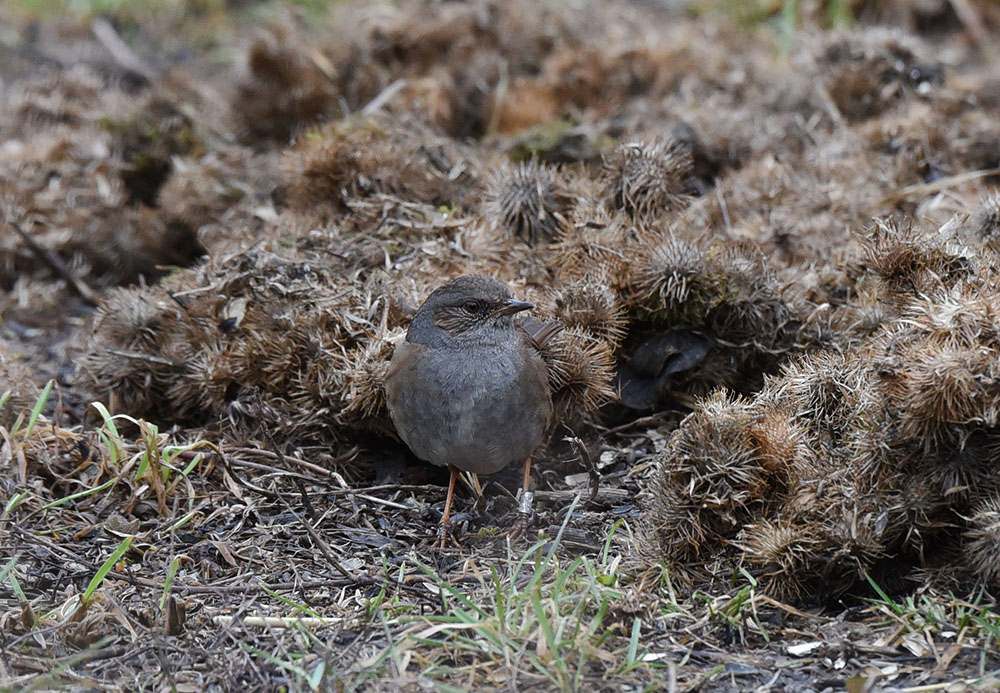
(511, 306)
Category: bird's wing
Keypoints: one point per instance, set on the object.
(539, 331)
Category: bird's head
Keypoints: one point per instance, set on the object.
(469, 306)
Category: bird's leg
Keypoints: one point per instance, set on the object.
(524, 509)
(444, 530)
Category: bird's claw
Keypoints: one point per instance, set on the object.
(521, 526)
(443, 535)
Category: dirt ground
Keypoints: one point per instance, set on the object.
(771, 231)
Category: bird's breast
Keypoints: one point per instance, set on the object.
(478, 408)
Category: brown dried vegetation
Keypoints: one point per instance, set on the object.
(889, 449)
(802, 394)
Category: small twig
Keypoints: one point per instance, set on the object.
(633, 424)
(938, 185)
(792, 610)
(966, 14)
(243, 587)
(250, 587)
(97, 651)
(959, 684)
(323, 64)
(588, 460)
(302, 463)
(120, 51)
(237, 478)
(270, 469)
(471, 479)
(382, 501)
(604, 495)
(724, 208)
(383, 97)
(272, 621)
(56, 264)
(149, 358)
(830, 106)
(322, 545)
(306, 504)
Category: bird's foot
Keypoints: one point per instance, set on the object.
(520, 527)
(524, 515)
(444, 534)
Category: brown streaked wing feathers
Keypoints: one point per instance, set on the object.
(539, 331)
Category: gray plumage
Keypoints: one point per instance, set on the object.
(468, 387)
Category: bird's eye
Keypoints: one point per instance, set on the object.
(471, 306)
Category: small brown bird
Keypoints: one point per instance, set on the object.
(468, 389)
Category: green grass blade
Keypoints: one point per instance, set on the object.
(633, 642)
(169, 581)
(540, 571)
(316, 678)
(992, 627)
(112, 439)
(37, 409)
(607, 542)
(81, 494)
(106, 568)
(543, 622)
(16, 586)
(450, 589)
(295, 605)
(14, 501)
(287, 666)
(183, 521)
(787, 24)
(8, 574)
(195, 461)
(886, 599)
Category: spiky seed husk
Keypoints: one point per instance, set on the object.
(593, 243)
(646, 180)
(590, 302)
(226, 186)
(346, 161)
(944, 388)
(988, 222)
(136, 318)
(526, 200)
(212, 376)
(283, 91)
(962, 317)
(671, 281)
(673, 524)
(364, 395)
(754, 311)
(778, 437)
(864, 316)
(907, 257)
(834, 390)
(710, 477)
(983, 541)
(581, 370)
(783, 555)
(265, 347)
(130, 368)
